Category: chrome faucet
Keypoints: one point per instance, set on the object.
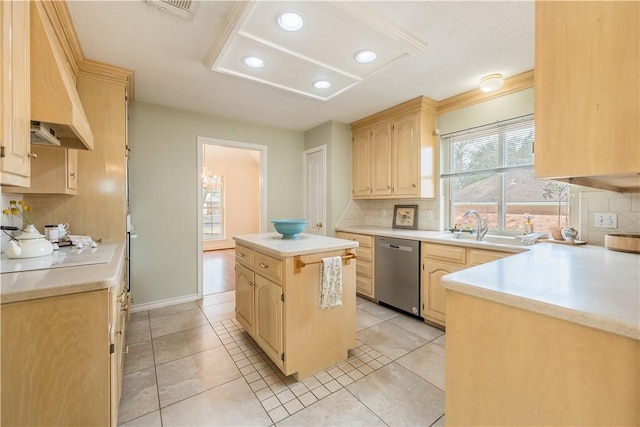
(482, 226)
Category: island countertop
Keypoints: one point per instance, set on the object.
(49, 282)
(273, 243)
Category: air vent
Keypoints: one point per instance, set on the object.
(182, 8)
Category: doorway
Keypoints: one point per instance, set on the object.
(231, 201)
(315, 189)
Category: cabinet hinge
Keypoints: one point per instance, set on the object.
(112, 348)
(1, 151)
(282, 357)
(282, 297)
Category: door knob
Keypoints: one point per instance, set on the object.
(319, 225)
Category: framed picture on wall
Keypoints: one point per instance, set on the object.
(405, 216)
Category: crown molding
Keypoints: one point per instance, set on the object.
(237, 13)
(380, 24)
(58, 14)
(512, 84)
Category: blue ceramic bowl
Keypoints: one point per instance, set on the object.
(290, 228)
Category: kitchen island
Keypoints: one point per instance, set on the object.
(278, 288)
(546, 337)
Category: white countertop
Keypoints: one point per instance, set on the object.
(588, 285)
(502, 244)
(272, 243)
(50, 282)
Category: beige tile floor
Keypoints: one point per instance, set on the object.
(193, 364)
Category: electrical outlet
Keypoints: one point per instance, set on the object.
(383, 213)
(606, 220)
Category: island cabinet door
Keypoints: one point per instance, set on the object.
(245, 298)
(269, 320)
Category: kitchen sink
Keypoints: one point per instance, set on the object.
(489, 239)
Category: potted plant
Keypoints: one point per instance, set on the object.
(561, 191)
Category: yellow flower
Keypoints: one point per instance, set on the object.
(19, 209)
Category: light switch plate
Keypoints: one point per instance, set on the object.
(606, 220)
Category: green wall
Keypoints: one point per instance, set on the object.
(163, 179)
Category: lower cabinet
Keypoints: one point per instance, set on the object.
(277, 304)
(269, 324)
(439, 260)
(434, 296)
(62, 359)
(245, 297)
(364, 263)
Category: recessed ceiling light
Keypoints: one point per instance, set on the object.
(321, 84)
(365, 56)
(290, 21)
(253, 62)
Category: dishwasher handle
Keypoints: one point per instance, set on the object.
(397, 247)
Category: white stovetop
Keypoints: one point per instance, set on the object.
(64, 257)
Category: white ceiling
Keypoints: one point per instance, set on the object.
(457, 43)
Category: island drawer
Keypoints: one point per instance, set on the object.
(244, 255)
(269, 267)
(455, 254)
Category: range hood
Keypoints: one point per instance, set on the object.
(54, 98)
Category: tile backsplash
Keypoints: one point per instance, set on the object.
(625, 205)
(380, 213)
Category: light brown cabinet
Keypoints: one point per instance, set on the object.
(259, 301)
(277, 304)
(364, 263)
(394, 152)
(587, 104)
(14, 94)
(439, 260)
(62, 350)
(54, 170)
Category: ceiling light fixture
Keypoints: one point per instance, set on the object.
(365, 56)
(290, 21)
(491, 83)
(321, 84)
(253, 62)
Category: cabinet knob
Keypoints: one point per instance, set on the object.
(33, 155)
(413, 185)
(240, 254)
(73, 174)
(263, 265)
(319, 225)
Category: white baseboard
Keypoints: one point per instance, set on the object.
(163, 303)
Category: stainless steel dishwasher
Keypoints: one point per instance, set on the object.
(397, 273)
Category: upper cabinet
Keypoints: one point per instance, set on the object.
(54, 97)
(587, 93)
(394, 152)
(14, 94)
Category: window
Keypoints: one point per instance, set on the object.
(212, 206)
(490, 169)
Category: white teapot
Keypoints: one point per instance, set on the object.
(28, 244)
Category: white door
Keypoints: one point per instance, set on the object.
(315, 190)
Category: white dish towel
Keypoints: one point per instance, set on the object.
(331, 283)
